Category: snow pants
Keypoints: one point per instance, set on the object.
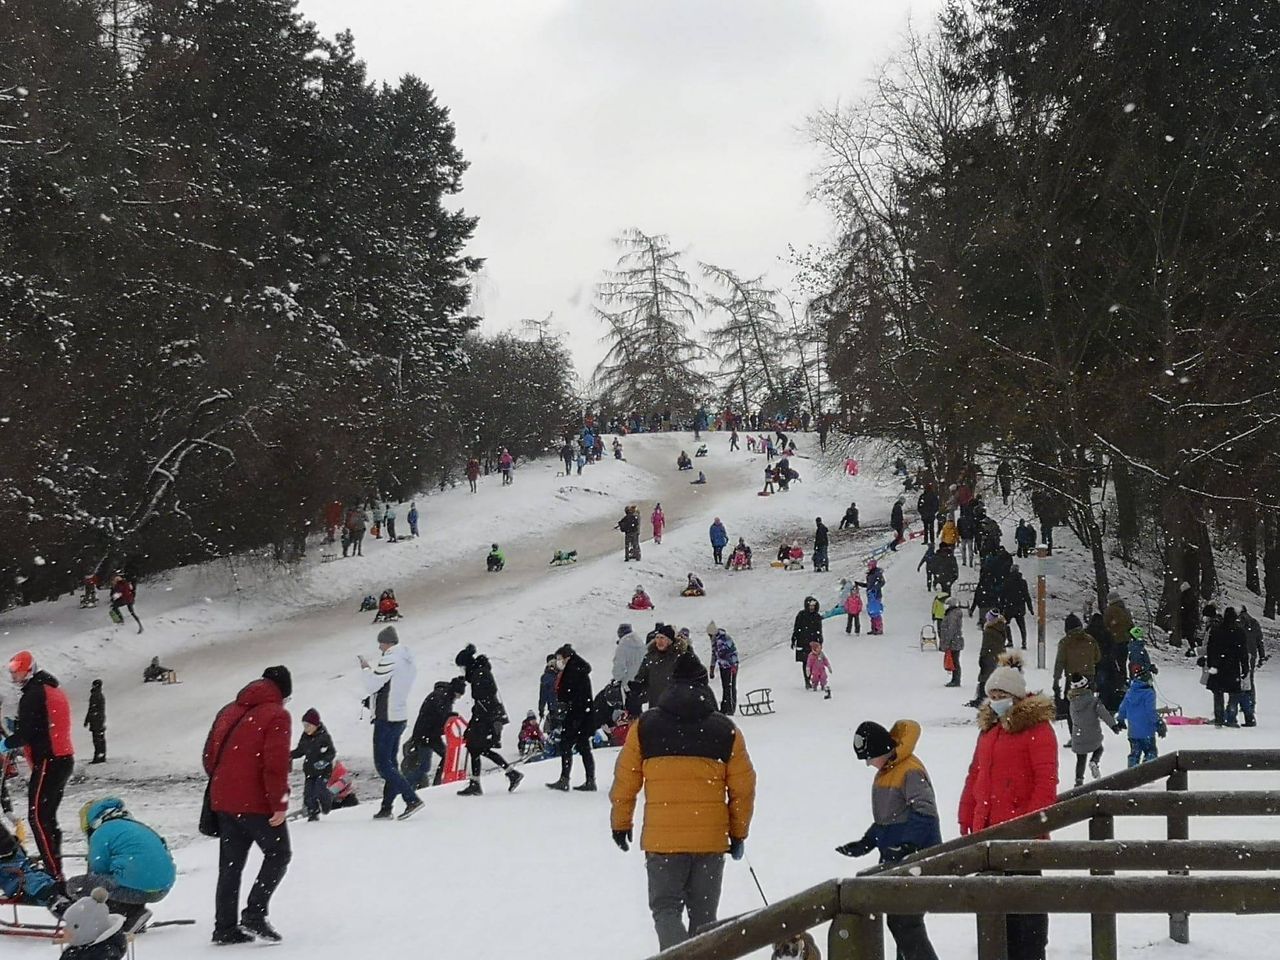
(316, 797)
(910, 935)
(44, 796)
(237, 833)
(680, 882)
(386, 754)
(853, 624)
(1142, 749)
(99, 743)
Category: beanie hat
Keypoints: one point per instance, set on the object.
(1077, 681)
(689, 669)
(684, 633)
(465, 655)
(623, 630)
(88, 921)
(458, 686)
(712, 629)
(993, 616)
(871, 740)
(1137, 634)
(531, 715)
(312, 716)
(667, 630)
(281, 678)
(388, 636)
(1073, 622)
(565, 651)
(1008, 677)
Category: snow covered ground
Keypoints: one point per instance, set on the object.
(535, 873)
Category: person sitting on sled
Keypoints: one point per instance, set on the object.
(388, 608)
(784, 552)
(640, 600)
(694, 588)
(495, 561)
(531, 741)
(154, 672)
(683, 462)
(22, 881)
(740, 559)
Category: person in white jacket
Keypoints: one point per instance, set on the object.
(627, 655)
(387, 684)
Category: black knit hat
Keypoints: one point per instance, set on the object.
(458, 686)
(667, 630)
(871, 740)
(281, 678)
(1073, 622)
(689, 669)
(465, 655)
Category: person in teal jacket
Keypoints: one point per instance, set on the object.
(126, 858)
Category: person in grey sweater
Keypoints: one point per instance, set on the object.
(627, 655)
(1087, 717)
(951, 637)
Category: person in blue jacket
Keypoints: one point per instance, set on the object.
(126, 858)
(547, 699)
(719, 538)
(1137, 711)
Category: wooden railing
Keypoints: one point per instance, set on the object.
(966, 875)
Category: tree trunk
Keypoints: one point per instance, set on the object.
(1173, 516)
(1126, 509)
(1270, 565)
(1249, 544)
(1208, 571)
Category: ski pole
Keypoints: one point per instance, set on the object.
(757, 880)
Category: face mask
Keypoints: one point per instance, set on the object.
(1001, 707)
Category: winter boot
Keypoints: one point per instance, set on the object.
(827, 695)
(472, 789)
(383, 814)
(561, 784)
(588, 786)
(1094, 770)
(514, 777)
(260, 928)
(234, 935)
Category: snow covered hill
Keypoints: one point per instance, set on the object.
(534, 874)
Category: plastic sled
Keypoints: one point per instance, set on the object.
(1178, 720)
(928, 637)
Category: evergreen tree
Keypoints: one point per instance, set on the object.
(749, 343)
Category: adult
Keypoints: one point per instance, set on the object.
(719, 538)
(1045, 506)
(573, 689)
(651, 680)
(1078, 652)
(95, 721)
(629, 525)
(995, 634)
(724, 657)
(1004, 477)
(387, 685)
(473, 473)
(928, 505)
(898, 524)
(547, 688)
(1255, 654)
(506, 463)
(951, 637)
(357, 523)
(821, 540)
(627, 655)
(1109, 679)
(1014, 772)
(488, 716)
(427, 738)
(389, 521)
(807, 629)
(994, 571)
(1227, 663)
(699, 788)
(42, 731)
(944, 568)
(1188, 616)
(850, 519)
(1117, 619)
(904, 816)
(1015, 601)
(567, 455)
(1025, 538)
(246, 757)
(659, 521)
(123, 594)
(126, 858)
(412, 517)
(967, 530)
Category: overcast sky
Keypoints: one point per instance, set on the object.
(583, 117)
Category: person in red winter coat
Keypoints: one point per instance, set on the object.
(123, 594)
(1014, 772)
(246, 757)
(43, 732)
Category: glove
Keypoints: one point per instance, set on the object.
(320, 765)
(900, 852)
(737, 848)
(1120, 725)
(623, 839)
(858, 848)
(1161, 730)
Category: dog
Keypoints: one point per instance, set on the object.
(803, 947)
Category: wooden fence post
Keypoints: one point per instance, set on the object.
(1178, 828)
(1103, 925)
(854, 936)
(993, 941)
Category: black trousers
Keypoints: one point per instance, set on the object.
(985, 667)
(99, 744)
(1021, 620)
(717, 554)
(728, 690)
(237, 833)
(852, 622)
(491, 754)
(910, 935)
(930, 529)
(582, 743)
(44, 796)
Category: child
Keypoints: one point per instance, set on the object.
(342, 787)
(875, 610)
(1138, 711)
(768, 482)
(315, 747)
(818, 667)
(22, 880)
(1087, 716)
(853, 607)
(795, 557)
(659, 521)
(91, 931)
(640, 600)
(694, 587)
(532, 742)
(495, 561)
(927, 562)
(939, 609)
(388, 608)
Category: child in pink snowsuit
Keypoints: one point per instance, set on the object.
(818, 666)
(659, 521)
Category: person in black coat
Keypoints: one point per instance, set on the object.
(898, 524)
(428, 732)
(808, 627)
(573, 690)
(488, 717)
(315, 747)
(629, 525)
(821, 540)
(1015, 601)
(1227, 661)
(850, 519)
(928, 505)
(95, 721)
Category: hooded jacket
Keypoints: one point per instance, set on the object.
(1014, 770)
(43, 727)
(951, 630)
(807, 628)
(573, 689)
(1118, 621)
(719, 536)
(1138, 710)
(903, 804)
(131, 853)
(389, 682)
(692, 762)
(627, 657)
(724, 652)
(949, 535)
(435, 711)
(651, 680)
(246, 754)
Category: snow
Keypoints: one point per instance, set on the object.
(475, 877)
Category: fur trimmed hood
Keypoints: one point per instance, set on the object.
(1026, 713)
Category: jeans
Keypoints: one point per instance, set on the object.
(966, 553)
(1081, 759)
(1228, 714)
(1046, 535)
(717, 554)
(386, 752)
(357, 541)
(316, 797)
(78, 887)
(420, 776)
(237, 833)
(728, 690)
(1248, 701)
(910, 935)
(680, 882)
(1141, 750)
(1021, 620)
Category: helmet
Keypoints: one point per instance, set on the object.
(21, 666)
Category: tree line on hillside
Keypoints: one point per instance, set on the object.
(1058, 245)
(233, 286)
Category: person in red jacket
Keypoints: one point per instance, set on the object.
(123, 594)
(43, 732)
(246, 756)
(1014, 772)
